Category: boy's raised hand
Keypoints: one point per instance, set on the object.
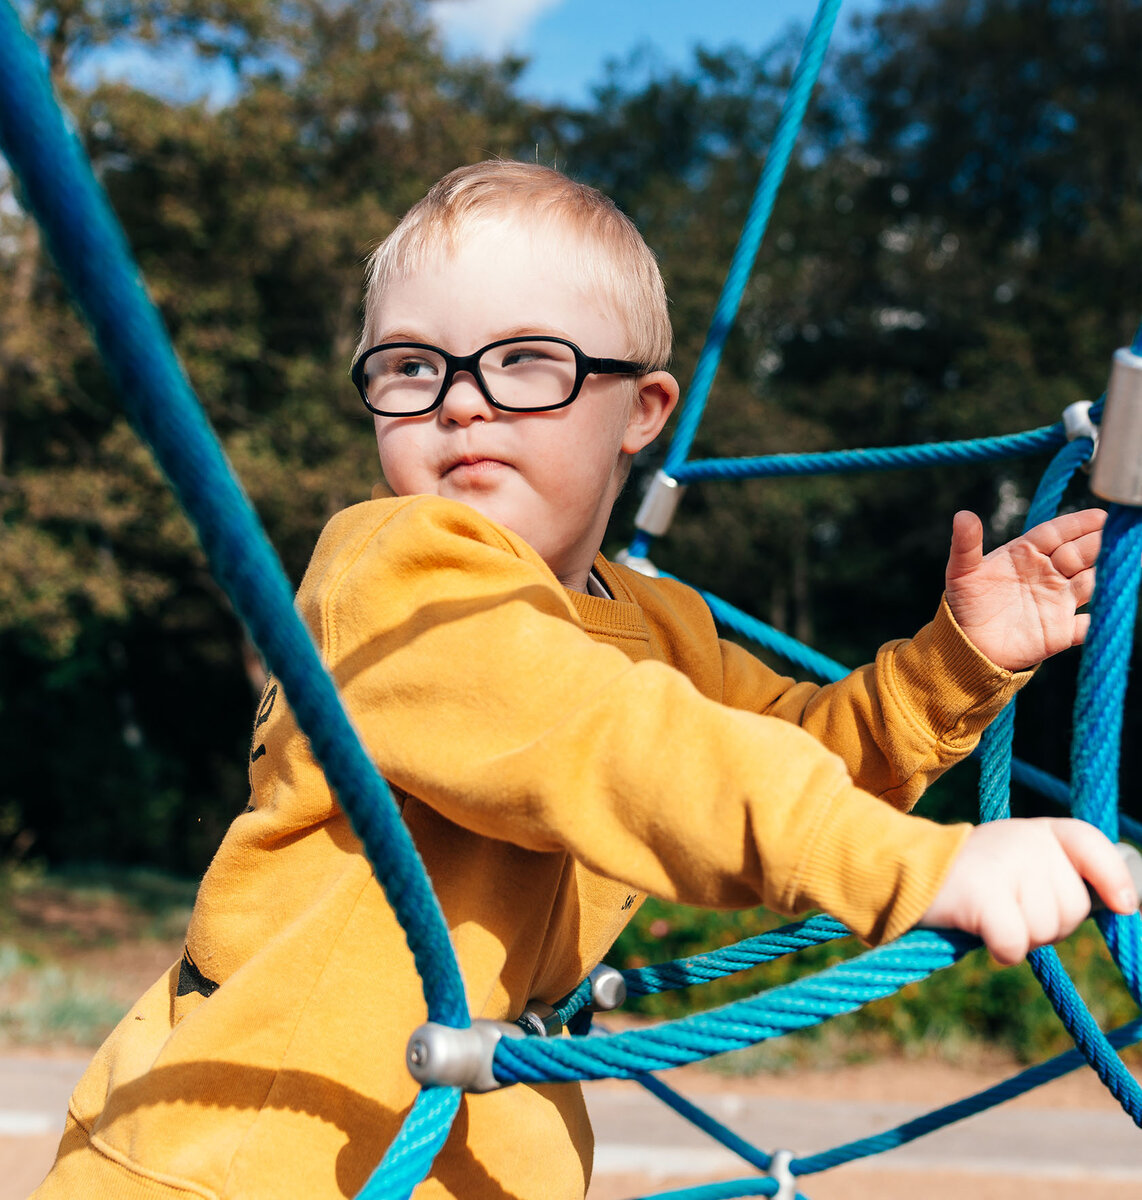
(1017, 605)
(1018, 884)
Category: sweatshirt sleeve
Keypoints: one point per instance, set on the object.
(465, 668)
(898, 722)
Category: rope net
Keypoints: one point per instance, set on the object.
(91, 254)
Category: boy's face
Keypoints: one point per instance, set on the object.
(551, 477)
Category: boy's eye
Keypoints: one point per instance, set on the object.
(520, 355)
(413, 368)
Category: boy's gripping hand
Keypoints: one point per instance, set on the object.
(1018, 884)
(1017, 605)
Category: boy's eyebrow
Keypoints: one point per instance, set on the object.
(539, 329)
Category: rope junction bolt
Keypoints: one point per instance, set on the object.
(659, 504)
(443, 1056)
(608, 988)
(540, 1020)
(779, 1170)
(1117, 474)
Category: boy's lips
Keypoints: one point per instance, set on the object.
(472, 464)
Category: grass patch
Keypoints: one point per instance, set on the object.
(78, 946)
(44, 1004)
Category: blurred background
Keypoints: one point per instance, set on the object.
(955, 253)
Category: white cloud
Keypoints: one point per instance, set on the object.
(490, 26)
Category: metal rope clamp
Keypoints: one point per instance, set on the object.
(659, 504)
(443, 1056)
(786, 1180)
(654, 516)
(1117, 473)
(1077, 424)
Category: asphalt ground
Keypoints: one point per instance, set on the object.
(1049, 1148)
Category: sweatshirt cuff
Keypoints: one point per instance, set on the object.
(951, 687)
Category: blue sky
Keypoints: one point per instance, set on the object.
(569, 41)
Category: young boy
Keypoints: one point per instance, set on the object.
(563, 735)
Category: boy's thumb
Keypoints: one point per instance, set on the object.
(967, 544)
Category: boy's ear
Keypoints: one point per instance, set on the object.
(657, 396)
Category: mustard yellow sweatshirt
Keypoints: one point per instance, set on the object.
(557, 756)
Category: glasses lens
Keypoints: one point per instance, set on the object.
(527, 374)
(402, 379)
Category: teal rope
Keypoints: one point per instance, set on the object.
(840, 988)
(910, 1131)
(91, 255)
(880, 458)
(742, 956)
(1097, 724)
(410, 1157)
(1099, 706)
(749, 243)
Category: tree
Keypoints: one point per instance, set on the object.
(250, 221)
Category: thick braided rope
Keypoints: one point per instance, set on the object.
(753, 230)
(750, 952)
(995, 746)
(1092, 727)
(91, 254)
(749, 242)
(838, 989)
(878, 458)
(410, 1157)
(713, 964)
(1098, 712)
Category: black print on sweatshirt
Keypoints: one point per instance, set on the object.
(191, 979)
(264, 711)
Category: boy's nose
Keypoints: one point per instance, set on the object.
(464, 402)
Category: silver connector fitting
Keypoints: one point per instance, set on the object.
(786, 1180)
(608, 988)
(1117, 472)
(637, 563)
(1077, 422)
(442, 1056)
(659, 504)
(540, 1020)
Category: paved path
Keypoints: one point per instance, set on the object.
(640, 1138)
(639, 1135)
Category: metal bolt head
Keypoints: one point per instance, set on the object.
(608, 988)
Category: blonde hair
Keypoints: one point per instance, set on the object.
(609, 252)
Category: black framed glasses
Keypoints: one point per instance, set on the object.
(523, 374)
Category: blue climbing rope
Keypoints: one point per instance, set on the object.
(91, 255)
(57, 186)
(749, 243)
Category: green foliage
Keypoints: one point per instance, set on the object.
(972, 1002)
(951, 256)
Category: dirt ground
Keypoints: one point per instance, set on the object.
(928, 1083)
(132, 965)
(23, 1161)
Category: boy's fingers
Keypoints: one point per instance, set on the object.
(967, 544)
(1082, 585)
(1078, 555)
(1099, 862)
(1004, 932)
(1068, 528)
